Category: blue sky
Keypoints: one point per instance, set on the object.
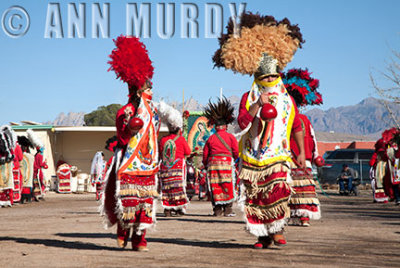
(41, 77)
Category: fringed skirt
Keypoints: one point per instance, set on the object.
(17, 192)
(136, 194)
(265, 195)
(128, 201)
(6, 185)
(173, 186)
(64, 179)
(221, 179)
(37, 187)
(304, 202)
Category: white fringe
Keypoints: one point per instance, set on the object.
(306, 213)
(266, 229)
(5, 204)
(381, 200)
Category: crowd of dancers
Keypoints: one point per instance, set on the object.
(21, 168)
(276, 150)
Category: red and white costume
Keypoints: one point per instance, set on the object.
(173, 149)
(304, 203)
(219, 157)
(266, 160)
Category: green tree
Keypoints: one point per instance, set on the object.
(103, 116)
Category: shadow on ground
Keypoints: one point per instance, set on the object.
(58, 243)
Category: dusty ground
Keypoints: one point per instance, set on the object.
(66, 231)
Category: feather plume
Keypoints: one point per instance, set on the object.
(170, 116)
(34, 138)
(7, 144)
(130, 61)
(24, 141)
(111, 143)
(258, 35)
(220, 113)
(302, 87)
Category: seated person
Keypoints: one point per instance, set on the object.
(347, 175)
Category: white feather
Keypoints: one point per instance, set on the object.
(169, 115)
(34, 138)
(10, 133)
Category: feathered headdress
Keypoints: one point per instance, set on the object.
(259, 38)
(8, 140)
(302, 87)
(111, 143)
(220, 113)
(131, 62)
(34, 138)
(170, 116)
(25, 142)
(391, 135)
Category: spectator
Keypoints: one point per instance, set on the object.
(347, 175)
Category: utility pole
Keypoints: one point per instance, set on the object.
(220, 93)
(183, 100)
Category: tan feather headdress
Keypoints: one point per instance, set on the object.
(257, 38)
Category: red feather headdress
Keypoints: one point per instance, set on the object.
(130, 61)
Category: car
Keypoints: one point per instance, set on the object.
(357, 159)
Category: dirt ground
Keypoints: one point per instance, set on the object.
(66, 231)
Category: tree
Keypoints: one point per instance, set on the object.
(390, 94)
(103, 116)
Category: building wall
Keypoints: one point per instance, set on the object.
(330, 146)
(78, 148)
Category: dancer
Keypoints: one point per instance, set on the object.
(131, 184)
(18, 156)
(8, 141)
(219, 154)
(97, 173)
(268, 115)
(26, 169)
(173, 150)
(304, 203)
(39, 185)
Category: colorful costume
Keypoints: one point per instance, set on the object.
(27, 176)
(39, 185)
(219, 154)
(378, 163)
(8, 141)
(262, 46)
(17, 191)
(26, 168)
(131, 184)
(391, 181)
(304, 203)
(173, 149)
(97, 172)
(64, 179)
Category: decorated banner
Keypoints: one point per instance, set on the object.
(196, 131)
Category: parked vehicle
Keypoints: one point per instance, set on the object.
(357, 159)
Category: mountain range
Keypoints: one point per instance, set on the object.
(367, 118)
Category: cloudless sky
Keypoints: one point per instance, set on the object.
(41, 77)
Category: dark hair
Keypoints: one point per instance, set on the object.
(345, 166)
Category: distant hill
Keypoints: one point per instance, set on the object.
(369, 117)
(70, 119)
